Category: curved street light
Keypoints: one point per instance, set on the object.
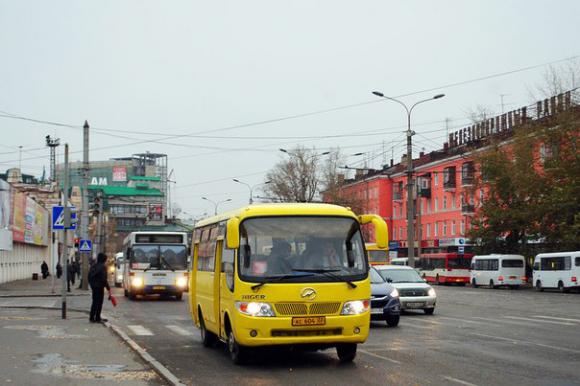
(251, 187)
(216, 203)
(410, 208)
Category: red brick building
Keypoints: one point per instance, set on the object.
(449, 188)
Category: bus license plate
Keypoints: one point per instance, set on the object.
(309, 321)
(415, 305)
(158, 287)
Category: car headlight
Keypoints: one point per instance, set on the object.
(431, 292)
(137, 282)
(119, 277)
(394, 293)
(255, 308)
(112, 268)
(181, 282)
(355, 307)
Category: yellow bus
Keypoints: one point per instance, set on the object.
(377, 255)
(283, 274)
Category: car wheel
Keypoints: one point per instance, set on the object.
(429, 311)
(473, 283)
(346, 352)
(539, 287)
(393, 321)
(238, 354)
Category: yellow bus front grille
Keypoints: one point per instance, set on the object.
(324, 332)
(288, 309)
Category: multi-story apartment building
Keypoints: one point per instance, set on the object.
(449, 187)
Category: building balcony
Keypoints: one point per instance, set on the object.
(468, 209)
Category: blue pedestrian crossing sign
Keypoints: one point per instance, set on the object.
(85, 245)
(58, 218)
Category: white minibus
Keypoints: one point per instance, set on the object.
(498, 270)
(557, 270)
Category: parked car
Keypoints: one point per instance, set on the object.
(414, 292)
(559, 270)
(385, 303)
(498, 270)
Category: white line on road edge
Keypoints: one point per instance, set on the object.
(161, 370)
(528, 343)
(379, 356)
(539, 321)
(461, 320)
(178, 330)
(459, 381)
(140, 330)
(553, 317)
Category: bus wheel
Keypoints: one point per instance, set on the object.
(473, 283)
(561, 287)
(207, 338)
(539, 286)
(238, 354)
(346, 352)
(491, 285)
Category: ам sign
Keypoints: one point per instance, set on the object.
(99, 181)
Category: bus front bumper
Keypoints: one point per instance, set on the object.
(278, 330)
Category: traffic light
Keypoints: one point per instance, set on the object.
(96, 206)
(70, 217)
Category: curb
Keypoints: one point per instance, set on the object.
(150, 360)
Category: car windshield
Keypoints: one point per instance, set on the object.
(459, 262)
(378, 256)
(329, 248)
(400, 275)
(171, 257)
(376, 278)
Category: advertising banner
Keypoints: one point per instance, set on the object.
(119, 174)
(29, 220)
(18, 216)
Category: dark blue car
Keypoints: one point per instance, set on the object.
(385, 304)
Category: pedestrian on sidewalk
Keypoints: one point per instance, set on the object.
(70, 277)
(98, 282)
(44, 269)
(58, 270)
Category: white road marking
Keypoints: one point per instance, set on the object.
(461, 320)
(497, 322)
(459, 381)
(553, 317)
(379, 356)
(179, 330)
(539, 321)
(423, 320)
(140, 330)
(528, 343)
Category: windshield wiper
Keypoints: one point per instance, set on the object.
(276, 279)
(167, 264)
(328, 273)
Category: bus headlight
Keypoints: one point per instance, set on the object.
(181, 282)
(431, 292)
(394, 293)
(119, 277)
(255, 308)
(137, 282)
(355, 307)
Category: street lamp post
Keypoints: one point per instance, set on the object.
(410, 203)
(251, 187)
(216, 203)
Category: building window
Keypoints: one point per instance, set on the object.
(436, 207)
(394, 233)
(453, 228)
(444, 201)
(435, 179)
(428, 230)
(444, 233)
(462, 230)
(435, 230)
(401, 233)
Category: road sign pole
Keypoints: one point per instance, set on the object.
(65, 242)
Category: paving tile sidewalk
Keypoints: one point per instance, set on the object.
(38, 288)
(40, 348)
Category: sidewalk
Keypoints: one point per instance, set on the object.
(41, 348)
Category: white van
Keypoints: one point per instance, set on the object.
(119, 269)
(557, 270)
(498, 270)
(400, 261)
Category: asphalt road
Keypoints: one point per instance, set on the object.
(476, 337)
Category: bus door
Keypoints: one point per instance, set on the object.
(207, 280)
(226, 283)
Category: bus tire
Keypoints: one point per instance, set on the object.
(539, 287)
(393, 320)
(474, 283)
(491, 284)
(346, 352)
(238, 354)
(207, 338)
(561, 287)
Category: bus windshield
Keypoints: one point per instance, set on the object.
(160, 257)
(300, 249)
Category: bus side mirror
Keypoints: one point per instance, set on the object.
(381, 229)
(233, 233)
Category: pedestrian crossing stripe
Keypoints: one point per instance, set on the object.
(85, 246)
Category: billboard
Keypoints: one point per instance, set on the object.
(29, 221)
(119, 174)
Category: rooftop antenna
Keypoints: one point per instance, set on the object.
(52, 143)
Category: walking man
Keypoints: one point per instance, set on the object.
(98, 282)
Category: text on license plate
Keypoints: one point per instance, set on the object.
(309, 321)
(415, 305)
(158, 287)
(376, 311)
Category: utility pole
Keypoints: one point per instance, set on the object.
(85, 208)
(64, 255)
(52, 144)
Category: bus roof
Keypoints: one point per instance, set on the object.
(300, 209)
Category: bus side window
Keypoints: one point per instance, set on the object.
(228, 265)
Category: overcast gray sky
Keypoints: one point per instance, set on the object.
(148, 70)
